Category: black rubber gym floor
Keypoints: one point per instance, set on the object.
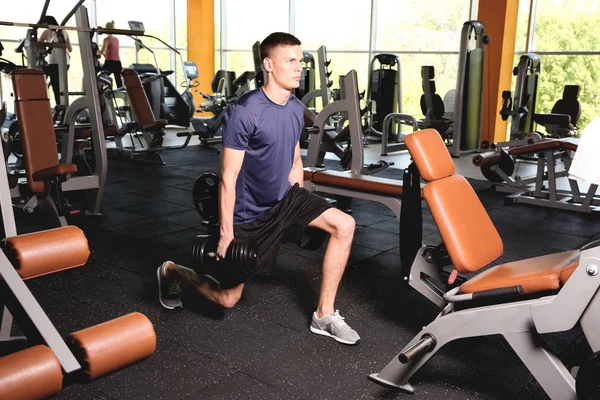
(262, 349)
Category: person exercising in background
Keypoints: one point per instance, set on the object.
(110, 51)
(261, 193)
(51, 70)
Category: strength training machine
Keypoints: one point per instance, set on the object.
(520, 300)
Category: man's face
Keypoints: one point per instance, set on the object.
(285, 66)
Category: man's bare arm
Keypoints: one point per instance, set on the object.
(230, 168)
(297, 172)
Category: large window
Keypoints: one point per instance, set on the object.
(352, 31)
(164, 19)
(418, 26)
(565, 37)
(342, 26)
(522, 26)
(337, 24)
(421, 35)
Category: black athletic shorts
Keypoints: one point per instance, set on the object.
(298, 208)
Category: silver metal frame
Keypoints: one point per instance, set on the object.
(541, 189)
(349, 107)
(323, 91)
(519, 322)
(403, 119)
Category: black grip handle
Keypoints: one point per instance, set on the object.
(499, 292)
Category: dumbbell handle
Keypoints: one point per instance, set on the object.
(238, 252)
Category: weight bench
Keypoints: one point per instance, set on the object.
(45, 174)
(151, 128)
(541, 188)
(37, 372)
(382, 190)
(403, 198)
(519, 300)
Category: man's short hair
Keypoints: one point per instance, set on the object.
(277, 39)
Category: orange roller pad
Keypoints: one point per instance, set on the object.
(114, 344)
(33, 373)
(45, 252)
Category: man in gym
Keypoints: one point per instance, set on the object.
(261, 193)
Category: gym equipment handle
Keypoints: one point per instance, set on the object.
(426, 344)
(493, 293)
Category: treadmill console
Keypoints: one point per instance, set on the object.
(136, 26)
(190, 69)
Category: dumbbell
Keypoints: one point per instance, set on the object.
(238, 264)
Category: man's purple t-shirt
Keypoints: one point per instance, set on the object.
(268, 132)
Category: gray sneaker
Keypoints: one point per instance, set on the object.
(334, 326)
(169, 289)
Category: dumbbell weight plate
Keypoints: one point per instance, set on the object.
(206, 196)
(506, 164)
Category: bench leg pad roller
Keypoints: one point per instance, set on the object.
(114, 344)
(33, 373)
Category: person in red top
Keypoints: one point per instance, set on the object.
(110, 51)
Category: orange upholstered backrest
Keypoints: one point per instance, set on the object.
(470, 236)
(137, 97)
(36, 125)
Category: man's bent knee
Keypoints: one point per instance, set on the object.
(344, 226)
(335, 222)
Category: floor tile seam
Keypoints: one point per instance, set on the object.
(356, 264)
(379, 250)
(354, 245)
(121, 206)
(231, 369)
(183, 227)
(127, 222)
(567, 221)
(372, 211)
(268, 384)
(564, 233)
(190, 207)
(156, 200)
(462, 389)
(145, 218)
(108, 396)
(589, 218)
(198, 393)
(150, 276)
(142, 192)
(180, 185)
(108, 189)
(380, 229)
(253, 315)
(77, 299)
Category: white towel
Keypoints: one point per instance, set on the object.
(586, 162)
